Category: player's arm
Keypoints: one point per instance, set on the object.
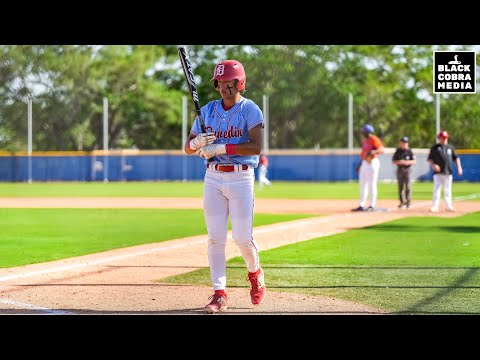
(459, 166)
(395, 159)
(412, 161)
(255, 143)
(430, 160)
(456, 158)
(435, 167)
(186, 146)
(252, 147)
(378, 147)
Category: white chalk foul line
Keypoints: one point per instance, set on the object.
(163, 247)
(289, 225)
(34, 307)
(286, 226)
(428, 202)
(466, 197)
(100, 261)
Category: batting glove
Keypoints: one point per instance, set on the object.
(201, 140)
(212, 150)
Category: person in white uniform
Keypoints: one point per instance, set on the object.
(263, 171)
(234, 140)
(368, 168)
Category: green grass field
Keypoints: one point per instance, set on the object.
(39, 235)
(413, 265)
(290, 190)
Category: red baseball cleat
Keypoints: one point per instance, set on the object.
(258, 290)
(218, 303)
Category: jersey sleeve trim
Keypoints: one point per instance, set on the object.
(252, 126)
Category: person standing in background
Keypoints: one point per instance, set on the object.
(441, 157)
(262, 171)
(404, 158)
(368, 168)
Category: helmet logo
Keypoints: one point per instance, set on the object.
(220, 70)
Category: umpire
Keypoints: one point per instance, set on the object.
(404, 158)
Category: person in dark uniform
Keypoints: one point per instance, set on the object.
(441, 158)
(404, 158)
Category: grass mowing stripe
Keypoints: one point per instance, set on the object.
(279, 190)
(100, 189)
(38, 235)
(412, 265)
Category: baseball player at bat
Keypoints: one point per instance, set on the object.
(368, 168)
(234, 140)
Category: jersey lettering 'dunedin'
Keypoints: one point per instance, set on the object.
(231, 127)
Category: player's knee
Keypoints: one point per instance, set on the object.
(245, 242)
(243, 234)
(216, 247)
(217, 240)
(217, 234)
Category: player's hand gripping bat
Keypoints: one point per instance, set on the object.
(188, 71)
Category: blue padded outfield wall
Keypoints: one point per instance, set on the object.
(284, 165)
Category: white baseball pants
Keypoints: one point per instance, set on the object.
(368, 178)
(229, 194)
(444, 180)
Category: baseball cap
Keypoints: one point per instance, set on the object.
(404, 139)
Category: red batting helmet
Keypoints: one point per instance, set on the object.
(228, 70)
(442, 134)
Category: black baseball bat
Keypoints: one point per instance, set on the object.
(188, 71)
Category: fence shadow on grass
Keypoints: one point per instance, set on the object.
(442, 292)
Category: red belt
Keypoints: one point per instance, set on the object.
(226, 168)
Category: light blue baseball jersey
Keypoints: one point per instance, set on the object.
(230, 127)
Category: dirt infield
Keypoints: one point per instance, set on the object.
(123, 281)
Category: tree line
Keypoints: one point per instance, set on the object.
(307, 86)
